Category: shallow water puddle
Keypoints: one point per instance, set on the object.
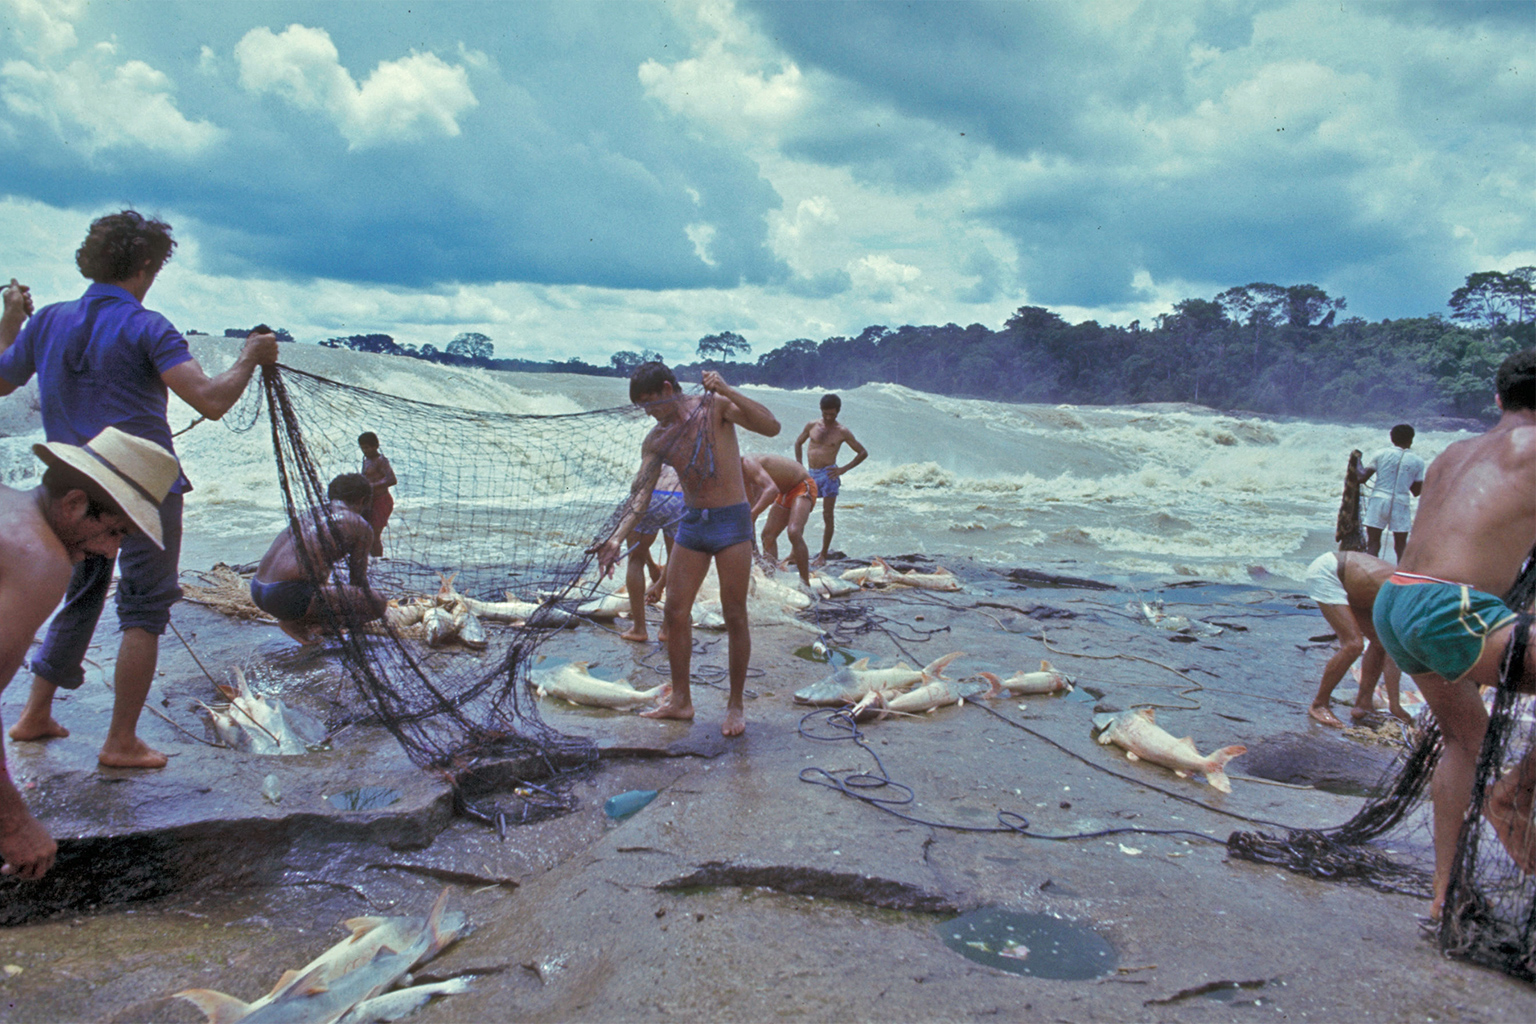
(1041, 945)
(364, 798)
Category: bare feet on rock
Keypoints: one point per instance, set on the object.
(678, 712)
(735, 722)
(1359, 714)
(638, 635)
(47, 729)
(1324, 715)
(137, 754)
(1509, 812)
(819, 561)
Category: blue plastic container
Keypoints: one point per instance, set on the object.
(623, 805)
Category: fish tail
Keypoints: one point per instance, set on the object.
(994, 685)
(216, 1006)
(938, 665)
(1215, 772)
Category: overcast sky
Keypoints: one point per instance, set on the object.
(576, 178)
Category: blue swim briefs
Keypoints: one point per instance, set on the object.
(1436, 626)
(285, 600)
(827, 485)
(662, 514)
(712, 530)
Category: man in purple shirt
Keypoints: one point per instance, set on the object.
(104, 360)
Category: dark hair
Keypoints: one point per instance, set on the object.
(60, 478)
(368, 438)
(648, 379)
(1516, 382)
(350, 489)
(1402, 435)
(119, 245)
(831, 402)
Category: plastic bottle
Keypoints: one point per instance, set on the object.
(622, 805)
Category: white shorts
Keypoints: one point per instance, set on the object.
(1381, 513)
(1323, 583)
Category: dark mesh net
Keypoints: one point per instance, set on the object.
(494, 513)
(1490, 907)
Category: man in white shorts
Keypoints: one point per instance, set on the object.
(1399, 478)
(1344, 585)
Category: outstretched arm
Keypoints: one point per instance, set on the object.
(742, 411)
(608, 551)
(760, 486)
(214, 396)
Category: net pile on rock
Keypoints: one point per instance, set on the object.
(1490, 908)
(493, 507)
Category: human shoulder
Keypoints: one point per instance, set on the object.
(32, 559)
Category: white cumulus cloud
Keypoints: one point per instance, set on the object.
(879, 276)
(96, 103)
(415, 97)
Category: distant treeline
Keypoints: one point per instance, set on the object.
(1259, 347)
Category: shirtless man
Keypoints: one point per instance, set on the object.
(1344, 585)
(44, 534)
(826, 437)
(1438, 617)
(697, 437)
(285, 589)
(789, 493)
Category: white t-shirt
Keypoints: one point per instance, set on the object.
(1397, 469)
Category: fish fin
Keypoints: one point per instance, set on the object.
(216, 1006)
(1182, 775)
(312, 983)
(994, 685)
(284, 980)
(229, 692)
(1045, 666)
(1130, 756)
(440, 937)
(937, 666)
(861, 665)
(358, 925)
(1218, 762)
(1147, 713)
(1218, 781)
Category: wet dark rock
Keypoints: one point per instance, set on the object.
(809, 881)
(1327, 762)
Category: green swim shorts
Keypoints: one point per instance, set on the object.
(1437, 627)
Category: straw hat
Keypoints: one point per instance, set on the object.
(138, 474)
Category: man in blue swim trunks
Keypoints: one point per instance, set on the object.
(697, 437)
(291, 593)
(1438, 619)
(822, 439)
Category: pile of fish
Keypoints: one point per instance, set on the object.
(1138, 733)
(571, 681)
(449, 615)
(903, 689)
(259, 724)
(354, 981)
(770, 599)
(879, 574)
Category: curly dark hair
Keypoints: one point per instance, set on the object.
(350, 489)
(1516, 382)
(647, 380)
(119, 245)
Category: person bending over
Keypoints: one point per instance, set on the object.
(295, 586)
(89, 500)
(1344, 585)
(661, 516)
(696, 435)
(825, 437)
(787, 491)
(1438, 618)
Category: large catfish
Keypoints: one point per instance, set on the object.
(851, 682)
(1144, 740)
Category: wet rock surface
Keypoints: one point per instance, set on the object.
(743, 892)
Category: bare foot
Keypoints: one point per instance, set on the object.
(735, 722)
(820, 560)
(1509, 812)
(136, 755)
(45, 730)
(681, 713)
(1325, 716)
(638, 635)
(1359, 714)
(1402, 715)
(661, 636)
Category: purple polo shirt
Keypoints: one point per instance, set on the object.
(98, 361)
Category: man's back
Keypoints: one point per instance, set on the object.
(1397, 469)
(99, 361)
(1477, 518)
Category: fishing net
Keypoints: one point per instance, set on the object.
(490, 507)
(1349, 531)
(1490, 907)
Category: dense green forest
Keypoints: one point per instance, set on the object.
(1259, 347)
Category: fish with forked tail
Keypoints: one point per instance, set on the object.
(1144, 740)
(574, 683)
(931, 696)
(1022, 684)
(851, 682)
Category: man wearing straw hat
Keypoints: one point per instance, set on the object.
(91, 498)
(104, 360)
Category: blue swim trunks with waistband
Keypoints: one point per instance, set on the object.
(827, 485)
(662, 514)
(285, 600)
(712, 530)
(1432, 625)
